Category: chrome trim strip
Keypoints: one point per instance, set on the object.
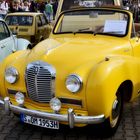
(70, 118)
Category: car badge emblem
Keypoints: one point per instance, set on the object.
(36, 70)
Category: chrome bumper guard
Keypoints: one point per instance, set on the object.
(70, 118)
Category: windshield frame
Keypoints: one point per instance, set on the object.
(89, 32)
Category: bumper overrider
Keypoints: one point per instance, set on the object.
(69, 118)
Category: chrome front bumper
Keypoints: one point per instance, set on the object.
(70, 118)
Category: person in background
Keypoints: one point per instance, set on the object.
(3, 8)
(48, 10)
(33, 7)
(26, 6)
(55, 5)
(11, 9)
(22, 5)
(41, 7)
(16, 6)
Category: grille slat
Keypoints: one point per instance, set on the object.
(39, 81)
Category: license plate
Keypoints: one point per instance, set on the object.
(39, 121)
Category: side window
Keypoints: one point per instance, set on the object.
(38, 20)
(4, 32)
(44, 20)
(11, 20)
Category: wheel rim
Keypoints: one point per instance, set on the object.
(113, 123)
(116, 111)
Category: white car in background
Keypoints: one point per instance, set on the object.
(9, 43)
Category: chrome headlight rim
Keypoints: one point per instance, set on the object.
(78, 78)
(13, 73)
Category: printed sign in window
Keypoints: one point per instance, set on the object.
(115, 26)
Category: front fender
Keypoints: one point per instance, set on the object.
(22, 44)
(105, 79)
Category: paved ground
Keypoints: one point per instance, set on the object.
(129, 129)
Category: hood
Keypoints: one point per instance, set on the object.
(73, 52)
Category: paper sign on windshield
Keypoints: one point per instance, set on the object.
(115, 26)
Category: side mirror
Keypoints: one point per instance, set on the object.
(15, 33)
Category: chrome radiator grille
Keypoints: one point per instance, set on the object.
(40, 79)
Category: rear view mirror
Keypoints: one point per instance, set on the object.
(93, 15)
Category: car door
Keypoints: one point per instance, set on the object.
(7, 42)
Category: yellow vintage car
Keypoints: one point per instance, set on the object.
(29, 25)
(82, 74)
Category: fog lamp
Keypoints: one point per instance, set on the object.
(55, 104)
(19, 98)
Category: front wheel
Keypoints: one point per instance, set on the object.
(112, 123)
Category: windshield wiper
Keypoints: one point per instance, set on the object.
(87, 30)
(81, 30)
(95, 33)
(84, 29)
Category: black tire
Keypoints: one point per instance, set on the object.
(111, 124)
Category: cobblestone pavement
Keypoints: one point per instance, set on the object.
(129, 129)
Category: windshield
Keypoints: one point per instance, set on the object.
(19, 20)
(93, 21)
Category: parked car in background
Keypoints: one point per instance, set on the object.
(9, 42)
(31, 26)
(81, 75)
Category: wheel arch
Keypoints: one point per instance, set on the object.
(105, 80)
(126, 88)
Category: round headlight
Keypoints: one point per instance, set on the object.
(11, 75)
(19, 98)
(73, 83)
(55, 104)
